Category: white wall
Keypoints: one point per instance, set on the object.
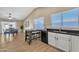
(28, 25)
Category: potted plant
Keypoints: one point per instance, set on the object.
(22, 28)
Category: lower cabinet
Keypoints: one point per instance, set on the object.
(60, 41)
(75, 44)
(44, 37)
(64, 42)
(51, 39)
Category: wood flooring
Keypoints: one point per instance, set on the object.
(18, 44)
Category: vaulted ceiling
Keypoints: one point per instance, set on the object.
(21, 13)
(17, 13)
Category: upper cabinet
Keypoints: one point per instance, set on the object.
(56, 20)
(70, 18)
(39, 23)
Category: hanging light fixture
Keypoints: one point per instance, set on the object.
(10, 16)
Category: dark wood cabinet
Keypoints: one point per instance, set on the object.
(30, 34)
(28, 37)
(44, 36)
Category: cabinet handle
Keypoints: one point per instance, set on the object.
(57, 38)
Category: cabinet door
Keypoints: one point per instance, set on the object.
(44, 37)
(63, 42)
(75, 43)
(51, 38)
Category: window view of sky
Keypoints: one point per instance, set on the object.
(70, 18)
(56, 19)
(39, 23)
(71, 15)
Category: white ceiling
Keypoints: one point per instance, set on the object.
(18, 13)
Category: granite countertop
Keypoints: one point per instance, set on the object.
(68, 32)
